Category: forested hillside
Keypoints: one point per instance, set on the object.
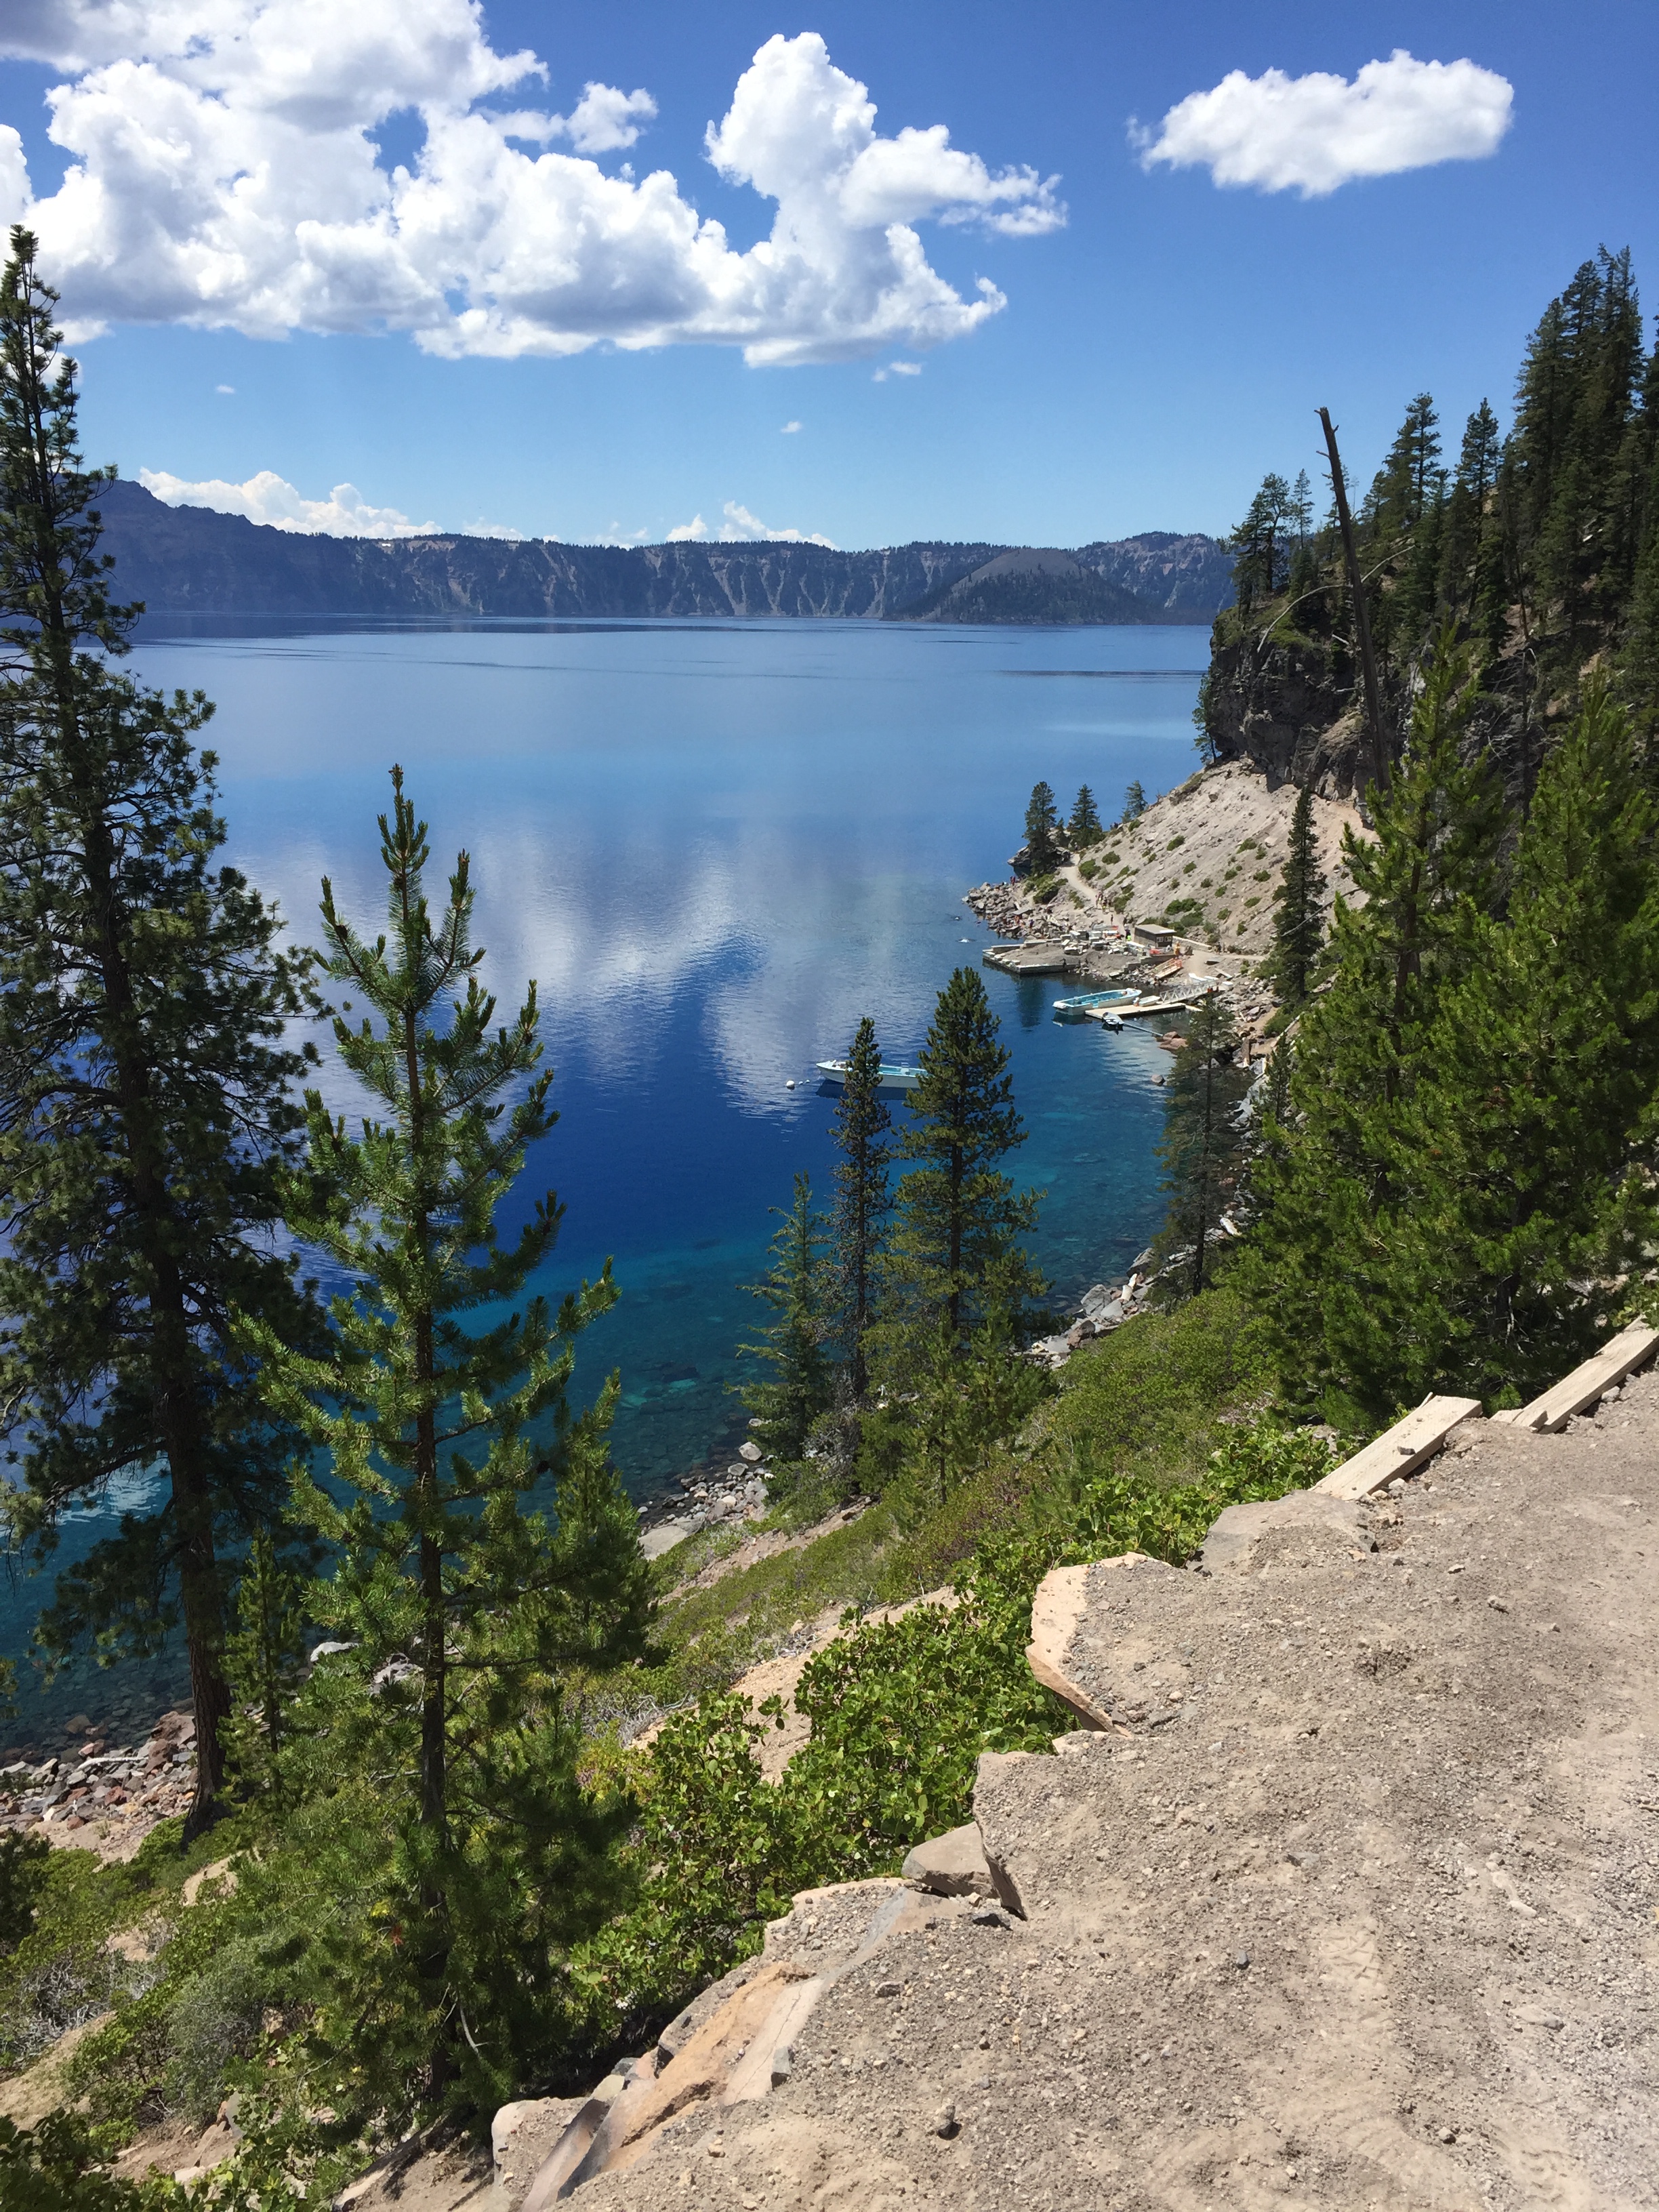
(1540, 547)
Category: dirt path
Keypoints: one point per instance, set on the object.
(1356, 1909)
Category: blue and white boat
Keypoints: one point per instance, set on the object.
(892, 1078)
(1080, 1008)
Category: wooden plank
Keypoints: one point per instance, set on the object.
(1399, 1450)
(1574, 1392)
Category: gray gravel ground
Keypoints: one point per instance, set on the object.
(1366, 1919)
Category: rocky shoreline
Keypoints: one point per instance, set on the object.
(122, 1790)
(706, 1497)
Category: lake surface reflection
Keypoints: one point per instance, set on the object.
(715, 846)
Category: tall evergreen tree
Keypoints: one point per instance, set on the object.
(793, 1345)
(862, 1127)
(955, 1257)
(1135, 802)
(1203, 1145)
(1638, 657)
(1259, 545)
(1299, 514)
(1323, 1263)
(1298, 908)
(1468, 524)
(1042, 832)
(1085, 826)
(1533, 1122)
(143, 1077)
(1404, 484)
(264, 1662)
(461, 1607)
(1575, 526)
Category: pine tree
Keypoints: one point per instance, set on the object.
(1468, 525)
(1575, 526)
(1298, 909)
(1638, 652)
(792, 1346)
(862, 1128)
(1415, 609)
(1041, 833)
(1258, 545)
(1202, 1146)
(462, 1609)
(1135, 802)
(1533, 1122)
(955, 1257)
(957, 1410)
(1324, 1266)
(144, 1078)
(1404, 484)
(264, 1662)
(1269, 1116)
(1086, 827)
(1300, 512)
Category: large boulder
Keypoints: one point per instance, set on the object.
(950, 1865)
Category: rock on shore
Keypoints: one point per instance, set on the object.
(117, 1792)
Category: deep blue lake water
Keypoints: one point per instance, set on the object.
(715, 846)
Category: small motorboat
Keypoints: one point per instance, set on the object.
(1109, 1020)
(892, 1078)
(1086, 1003)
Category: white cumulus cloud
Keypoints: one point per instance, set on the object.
(790, 428)
(225, 173)
(13, 177)
(604, 120)
(271, 499)
(1313, 133)
(740, 527)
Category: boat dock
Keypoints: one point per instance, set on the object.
(1177, 1002)
(1029, 959)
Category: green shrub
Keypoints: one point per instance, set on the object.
(214, 2020)
(54, 2167)
(22, 1881)
(1043, 888)
(59, 1973)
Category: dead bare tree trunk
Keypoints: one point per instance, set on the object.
(1362, 621)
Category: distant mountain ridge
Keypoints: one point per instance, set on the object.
(191, 560)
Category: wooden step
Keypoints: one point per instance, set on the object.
(1399, 1450)
(1619, 1356)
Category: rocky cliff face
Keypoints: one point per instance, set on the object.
(1290, 710)
(1295, 710)
(186, 560)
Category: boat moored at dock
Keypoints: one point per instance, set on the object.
(895, 1078)
(1086, 1003)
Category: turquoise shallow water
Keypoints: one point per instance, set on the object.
(715, 846)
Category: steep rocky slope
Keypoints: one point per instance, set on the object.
(1351, 1904)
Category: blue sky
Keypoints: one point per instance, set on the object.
(1160, 346)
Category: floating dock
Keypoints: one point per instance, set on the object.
(1178, 1002)
(1029, 959)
